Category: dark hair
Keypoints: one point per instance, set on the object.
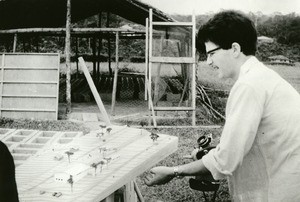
(226, 28)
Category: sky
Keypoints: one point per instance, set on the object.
(186, 7)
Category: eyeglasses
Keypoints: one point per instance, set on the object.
(211, 52)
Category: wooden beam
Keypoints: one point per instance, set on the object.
(194, 70)
(173, 109)
(151, 107)
(73, 30)
(76, 55)
(138, 192)
(94, 91)
(180, 60)
(27, 110)
(113, 100)
(15, 42)
(146, 57)
(173, 24)
(68, 57)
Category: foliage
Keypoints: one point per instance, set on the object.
(265, 50)
(285, 29)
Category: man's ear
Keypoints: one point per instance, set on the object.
(236, 49)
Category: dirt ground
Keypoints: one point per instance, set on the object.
(134, 114)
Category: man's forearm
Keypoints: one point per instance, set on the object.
(194, 168)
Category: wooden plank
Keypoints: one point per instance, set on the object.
(27, 110)
(150, 103)
(37, 115)
(31, 75)
(114, 92)
(31, 60)
(30, 96)
(31, 68)
(84, 30)
(29, 102)
(146, 57)
(180, 60)
(189, 24)
(173, 109)
(15, 42)
(94, 91)
(129, 193)
(30, 82)
(194, 70)
(29, 89)
(57, 86)
(138, 192)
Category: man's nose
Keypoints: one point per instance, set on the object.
(209, 61)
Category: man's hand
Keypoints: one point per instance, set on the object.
(159, 175)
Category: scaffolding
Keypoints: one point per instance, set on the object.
(170, 58)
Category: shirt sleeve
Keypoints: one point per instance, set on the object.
(243, 114)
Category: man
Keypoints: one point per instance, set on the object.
(259, 149)
(8, 186)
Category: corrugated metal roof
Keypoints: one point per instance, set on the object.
(52, 13)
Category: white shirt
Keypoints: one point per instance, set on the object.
(259, 149)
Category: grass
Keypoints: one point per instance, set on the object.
(42, 125)
(178, 189)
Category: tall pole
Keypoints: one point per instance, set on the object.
(113, 101)
(15, 42)
(68, 57)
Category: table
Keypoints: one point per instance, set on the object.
(70, 166)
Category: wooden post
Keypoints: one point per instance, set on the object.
(151, 107)
(1, 84)
(129, 194)
(99, 47)
(138, 192)
(15, 42)
(99, 57)
(94, 91)
(94, 57)
(68, 57)
(113, 101)
(146, 57)
(76, 55)
(194, 70)
(108, 44)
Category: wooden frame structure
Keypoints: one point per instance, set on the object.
(29, 85)
(150, 59)
(32, 14)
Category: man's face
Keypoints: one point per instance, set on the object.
(219, 59)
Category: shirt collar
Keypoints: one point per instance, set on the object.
(252, 61)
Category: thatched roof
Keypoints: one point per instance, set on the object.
(52, 13)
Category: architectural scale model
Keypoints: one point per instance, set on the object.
(70, 166)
